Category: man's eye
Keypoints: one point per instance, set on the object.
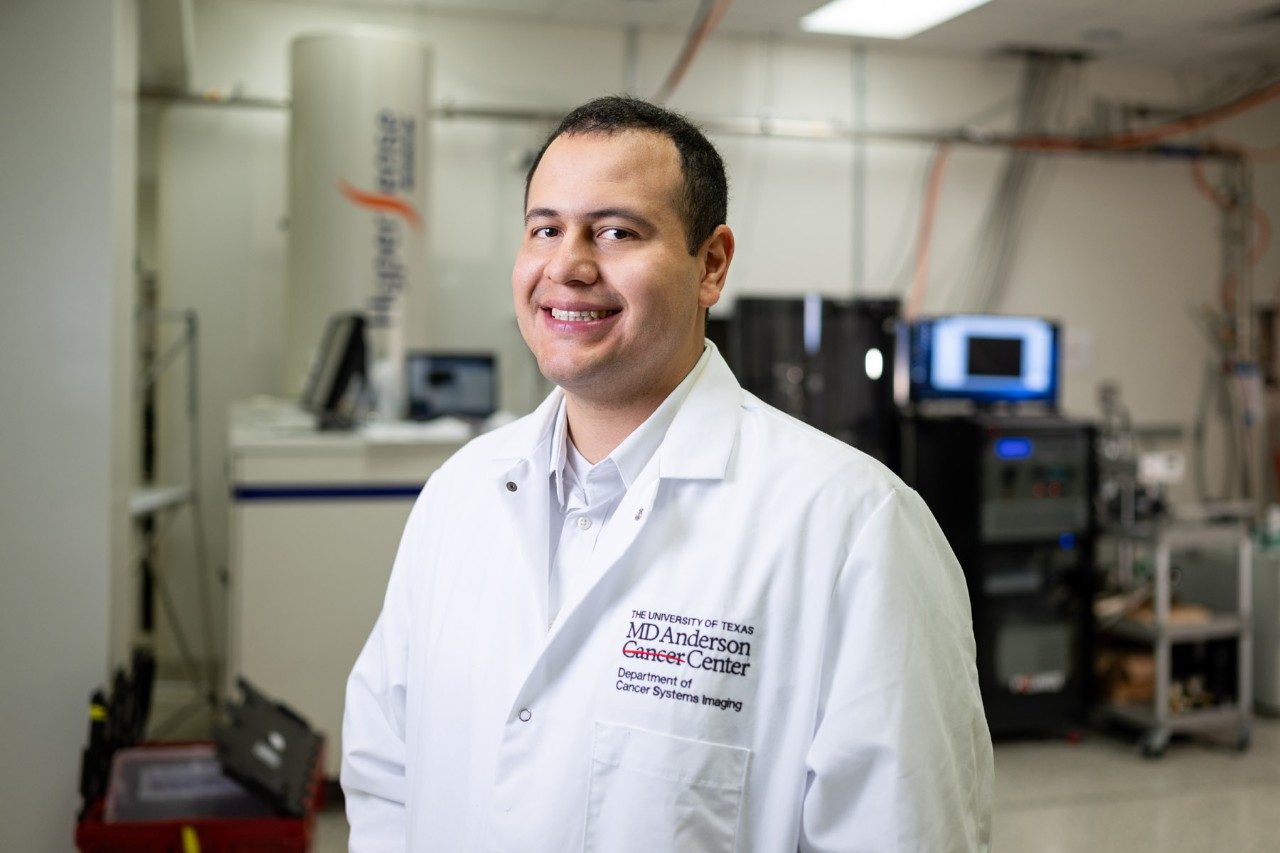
(545, 231)
(615, 233)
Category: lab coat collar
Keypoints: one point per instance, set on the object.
(697, 445)
(521, 440)
(705, 430)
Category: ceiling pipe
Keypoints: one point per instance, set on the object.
(758, 127)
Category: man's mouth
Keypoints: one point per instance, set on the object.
(580, 316)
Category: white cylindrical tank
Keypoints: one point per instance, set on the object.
(356, 194)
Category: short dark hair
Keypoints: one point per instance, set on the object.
(704, 201)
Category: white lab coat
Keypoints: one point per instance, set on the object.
(777, 655)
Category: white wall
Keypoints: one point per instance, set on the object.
(66, 232)
(1116, 250)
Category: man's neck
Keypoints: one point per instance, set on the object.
(596, 430)
(596, 426)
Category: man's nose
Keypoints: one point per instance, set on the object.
(573, 263)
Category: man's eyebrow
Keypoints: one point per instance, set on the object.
(540, 213)
(621, 213)
(602, 213)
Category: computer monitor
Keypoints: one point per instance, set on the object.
(461, 385)
(979, 357)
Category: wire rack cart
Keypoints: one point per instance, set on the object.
(1158, 721)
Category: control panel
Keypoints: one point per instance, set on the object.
(1034, 484)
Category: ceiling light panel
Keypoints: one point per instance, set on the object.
(886, 20)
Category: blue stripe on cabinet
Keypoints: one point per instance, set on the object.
(327, 492)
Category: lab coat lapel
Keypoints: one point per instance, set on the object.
(701, 440)
(522, 492)
(629, 520)
(632, 515)
(698, 445)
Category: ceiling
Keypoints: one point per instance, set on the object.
(1142, 30)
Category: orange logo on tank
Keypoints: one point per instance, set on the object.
(382, 203)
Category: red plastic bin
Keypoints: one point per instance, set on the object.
(214, 835)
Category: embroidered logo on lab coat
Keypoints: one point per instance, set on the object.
(679, 655)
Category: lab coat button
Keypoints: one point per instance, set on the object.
(584, 523)
(511, 487)
(525, 715)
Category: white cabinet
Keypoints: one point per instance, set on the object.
(315, 522)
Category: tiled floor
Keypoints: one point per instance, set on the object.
(1100, 796)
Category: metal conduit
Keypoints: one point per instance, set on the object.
(746, 126)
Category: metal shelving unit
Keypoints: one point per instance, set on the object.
(1158, 721)
(155, 506)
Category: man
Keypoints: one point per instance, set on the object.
(656, 614)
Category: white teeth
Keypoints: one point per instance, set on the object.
(579, 316)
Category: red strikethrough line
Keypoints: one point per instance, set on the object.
(643, 653)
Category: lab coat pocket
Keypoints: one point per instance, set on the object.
(652, 792)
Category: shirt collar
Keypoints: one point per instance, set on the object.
(560, 451)
(699, 443)
(635, 451)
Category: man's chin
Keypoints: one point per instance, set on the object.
(588, 381)
(573, 380)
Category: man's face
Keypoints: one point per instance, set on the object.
(607, 296)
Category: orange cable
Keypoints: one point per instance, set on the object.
(691, 48)
(1206, 189)
(1155, 134)
(933, 193)
(1262, 239)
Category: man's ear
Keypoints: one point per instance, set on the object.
(716, 255)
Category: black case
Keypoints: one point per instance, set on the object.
(270, 749)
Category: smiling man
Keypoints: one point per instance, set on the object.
(656, 614)
(611, 285)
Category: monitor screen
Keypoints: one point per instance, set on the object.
(985, 358)
(995, 356)
(450, 384)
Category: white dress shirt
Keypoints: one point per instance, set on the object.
(584, 496)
